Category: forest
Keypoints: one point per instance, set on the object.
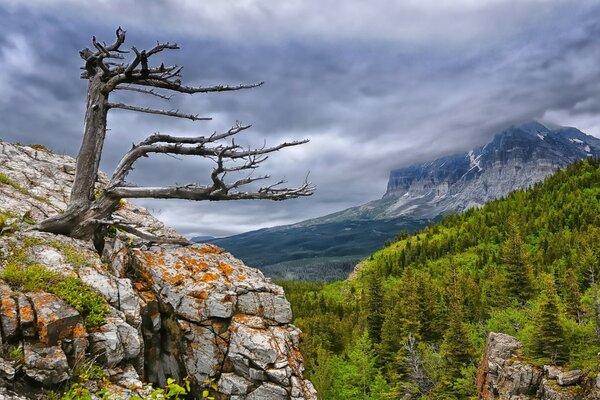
(412, 324)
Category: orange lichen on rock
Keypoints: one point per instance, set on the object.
(225, 269)
(198, 294)
(192, 264)
(151, 258)
(209, 277)
(8, 307)
(210, 249)
(79, 331)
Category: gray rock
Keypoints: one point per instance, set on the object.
(265, 304)
(549, 390)
(126, 377)
(519, 379)
(268, 391)
(570, 378)
(9, 316)
(106, 344)
(46, 364)
(280, 376)
(552, 371)
(26, 316)
(499, 349)
(6, 394)
(117, 291)
(55, 319)
(257, 374)
(7, 370)
(230, 384)
(202, 356)
(253, 344)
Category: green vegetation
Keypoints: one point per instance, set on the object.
(23, 275)
(526, 265)
(40, 147)
(6, 225)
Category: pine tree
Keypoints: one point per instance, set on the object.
(549, 338)
(375, 313)
(516, 260)
(456, 347)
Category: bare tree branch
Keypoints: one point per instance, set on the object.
(178, 87)
(202, 192)
(176, 146)
(169, 113)
(145, 91)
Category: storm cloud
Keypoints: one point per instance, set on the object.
(374, 85)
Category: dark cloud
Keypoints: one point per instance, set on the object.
(375, 86)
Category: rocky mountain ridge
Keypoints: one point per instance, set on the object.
(515, 159)
(163, 312)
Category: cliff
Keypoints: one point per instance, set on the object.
(515, 159)
(504, 374)
(111, 324)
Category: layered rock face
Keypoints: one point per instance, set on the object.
(504, 375)
(193, 312)
(515, 159)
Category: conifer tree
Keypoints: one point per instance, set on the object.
(375, 313)
(456, 347)
(549, 337)
(516, 260)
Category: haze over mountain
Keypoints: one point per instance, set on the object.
(329, 246)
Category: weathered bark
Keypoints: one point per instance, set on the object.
(85, 213)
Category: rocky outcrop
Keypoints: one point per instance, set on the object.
(192, 312)
(503, 374)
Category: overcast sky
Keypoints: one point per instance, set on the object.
(374, 85)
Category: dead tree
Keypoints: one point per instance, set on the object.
(107, 71)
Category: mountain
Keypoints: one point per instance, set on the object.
(521, 271)
(515, 159)
(325, 248)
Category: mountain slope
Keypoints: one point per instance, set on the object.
(515, 159)
(525, 265)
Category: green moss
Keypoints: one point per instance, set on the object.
(40, 147)
(22, 275)
(7, 227)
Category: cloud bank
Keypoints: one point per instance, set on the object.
(374, 85)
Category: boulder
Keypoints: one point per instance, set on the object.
(6, 394)
(9, 316)
(570, 378)
(47, 365)
(268, 391)
(26, 316)
(114, 342)
(231, 384)
(550, 390)
(7, 370)
(55, 319)
(552, 371)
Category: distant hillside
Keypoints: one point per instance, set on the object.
(414, 320)
(315, 252)
(325, 248)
